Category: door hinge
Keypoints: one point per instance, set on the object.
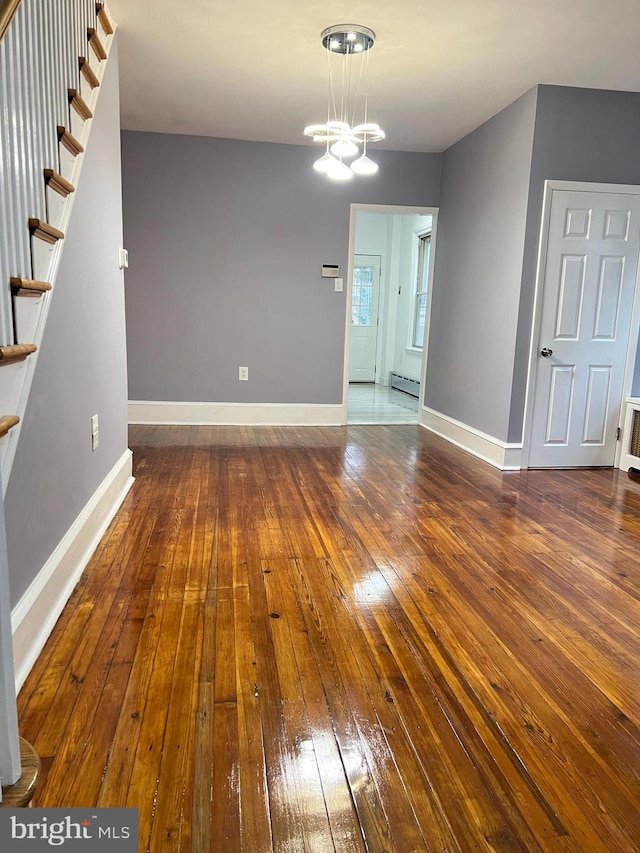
(618, 434)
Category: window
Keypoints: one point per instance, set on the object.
(362, 296)
(422, 280)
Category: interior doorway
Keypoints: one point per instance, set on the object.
(387, 302)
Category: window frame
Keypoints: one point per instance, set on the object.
(420, 286)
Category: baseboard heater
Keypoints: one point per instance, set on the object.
(404, 383)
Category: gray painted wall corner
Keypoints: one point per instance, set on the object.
(478, 270)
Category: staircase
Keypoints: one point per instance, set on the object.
(52, 59)
(53, 55)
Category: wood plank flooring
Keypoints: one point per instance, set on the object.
(351, 639)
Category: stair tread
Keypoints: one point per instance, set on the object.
(30, 284)
(44, 231)
(13, 352)
(88, 73)
(7, 422)
(58, 183)
(69, 141)
(103, 17)
(79, 104)
(96, 44)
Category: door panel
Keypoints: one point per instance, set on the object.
(608, 303)
(589, 284)
(597, 405)
(560, 399)
(570, 298)
(365, 295)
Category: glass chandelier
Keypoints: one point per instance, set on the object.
(341, 136)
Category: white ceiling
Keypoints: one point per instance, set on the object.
(251, 69)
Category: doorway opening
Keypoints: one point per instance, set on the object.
(388, 299)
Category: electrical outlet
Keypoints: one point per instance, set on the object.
(243, 374)
(95, 433)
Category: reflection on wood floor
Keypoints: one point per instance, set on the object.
(351, 639)
(369, 403)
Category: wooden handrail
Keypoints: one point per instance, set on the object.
(7, 11)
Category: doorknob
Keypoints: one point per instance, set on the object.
(545, 352)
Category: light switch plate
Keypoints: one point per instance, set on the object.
(339, 285)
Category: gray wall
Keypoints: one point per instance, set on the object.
(580, 135)
(82, 364)
(478, 270)
(226, 240)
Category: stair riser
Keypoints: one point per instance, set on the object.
(56, 205)
(4, 446)
(67, 164)
(27, 311)
(86, 91)
(11, 375)
(77, 121)
(42, 255)
(76, 124)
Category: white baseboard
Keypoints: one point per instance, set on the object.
(506, 457)
(35, 615)
(235, 414)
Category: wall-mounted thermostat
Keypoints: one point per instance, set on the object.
(330, 270)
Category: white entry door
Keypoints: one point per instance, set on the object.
(365, 297)
(589, 285)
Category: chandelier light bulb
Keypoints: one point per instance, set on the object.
(364, 166)
(326, 162)
(344, 148)
(339, 172)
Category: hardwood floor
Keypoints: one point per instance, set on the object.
(350, 639)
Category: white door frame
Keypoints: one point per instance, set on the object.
(634, 328)
(390, 209)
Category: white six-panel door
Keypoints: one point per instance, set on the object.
(588, 290)
(365, 296)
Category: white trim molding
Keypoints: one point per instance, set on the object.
(34, 616)
(500, 454)
(236, 414)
